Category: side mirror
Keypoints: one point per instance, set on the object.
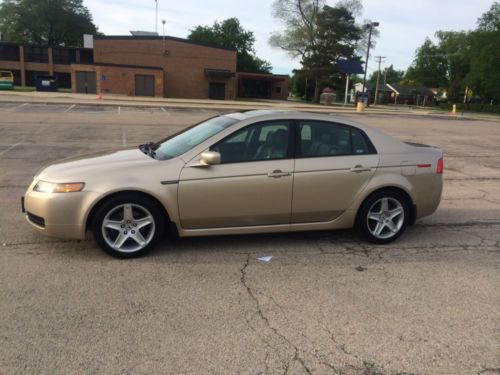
(210, 158)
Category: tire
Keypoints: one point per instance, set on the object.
(383, 217)
(128, 225)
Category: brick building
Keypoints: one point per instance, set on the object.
(144, 66)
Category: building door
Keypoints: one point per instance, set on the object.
(86, 83)
(217, 90)
(144, 85)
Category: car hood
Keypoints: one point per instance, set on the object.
(78, 168)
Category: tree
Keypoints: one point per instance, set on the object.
(490, 21)
(319, 35)
(300, 20)
(230, 33)
(388, 75)
(52, 22)
(429, 67)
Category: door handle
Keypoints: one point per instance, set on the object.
(359, 168)
(278, 173)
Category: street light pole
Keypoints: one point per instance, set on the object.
(163, 22)
(370, 25)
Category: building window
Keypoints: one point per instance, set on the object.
(86, 56)
(36, 54)
(63, 56)
(9, 52)
(277, 90)
(31, 77)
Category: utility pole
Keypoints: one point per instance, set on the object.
(380, 60)
(156, 16)
(370, 26)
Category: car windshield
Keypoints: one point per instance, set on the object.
(184, 141)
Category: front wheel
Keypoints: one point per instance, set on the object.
(128, 226)
(383, 217)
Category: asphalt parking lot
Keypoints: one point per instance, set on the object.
(326, 303)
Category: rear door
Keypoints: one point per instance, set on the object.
(334, 164)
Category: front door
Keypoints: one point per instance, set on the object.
(217, 90)
(252, 185)
(86, 82)
(144, 85)
(334, 164)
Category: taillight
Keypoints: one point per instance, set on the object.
(440, 166)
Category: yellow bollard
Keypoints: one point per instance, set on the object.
(453, 110)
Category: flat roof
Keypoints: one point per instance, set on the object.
(154, 37)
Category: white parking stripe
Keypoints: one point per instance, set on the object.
(165, 111)
(10, 148)
(119, 110)
(124, 137)
(70, 108)
(19, 106)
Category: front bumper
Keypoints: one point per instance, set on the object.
(61, 215)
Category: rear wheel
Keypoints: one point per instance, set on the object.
(383, 217)
(128, 226)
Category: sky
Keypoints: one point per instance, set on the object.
(404, 24)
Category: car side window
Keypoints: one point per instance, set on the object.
(319, 139)
(265, 141)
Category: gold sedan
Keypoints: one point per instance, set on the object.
(253, 172)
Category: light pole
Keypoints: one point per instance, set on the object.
(163, 22)
(370, 26)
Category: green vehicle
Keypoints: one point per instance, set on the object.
(6, 80)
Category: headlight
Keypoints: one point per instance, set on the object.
(51, 187)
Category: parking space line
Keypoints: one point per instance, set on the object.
(10, 148)
(165, 111)
(70, 108)
(19, 106)
(119, 110)
(124, 137)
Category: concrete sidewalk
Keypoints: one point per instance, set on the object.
(221, 105)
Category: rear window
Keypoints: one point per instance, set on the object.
(319, 139)
(6, 74)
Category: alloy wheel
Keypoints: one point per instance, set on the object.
(128, 227)
(385, 218)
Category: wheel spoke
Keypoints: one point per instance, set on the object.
(374, 216)
(139, 238)
(378, 229)
(384, 205)
(143, 222)
(395, 212)
(127, 212)
(120, 240)
(392, 227)
(113, 224)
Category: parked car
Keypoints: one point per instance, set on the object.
(6, 80)
(253, 172)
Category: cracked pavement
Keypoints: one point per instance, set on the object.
(327, 302)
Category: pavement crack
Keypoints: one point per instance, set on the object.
(265, 320)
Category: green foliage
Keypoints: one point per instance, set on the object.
(462, 59)
(230, 33)
(52, 22)
(320, 35)
(388, 75)
(490, 21)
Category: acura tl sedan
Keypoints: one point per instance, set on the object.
(240, 173)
